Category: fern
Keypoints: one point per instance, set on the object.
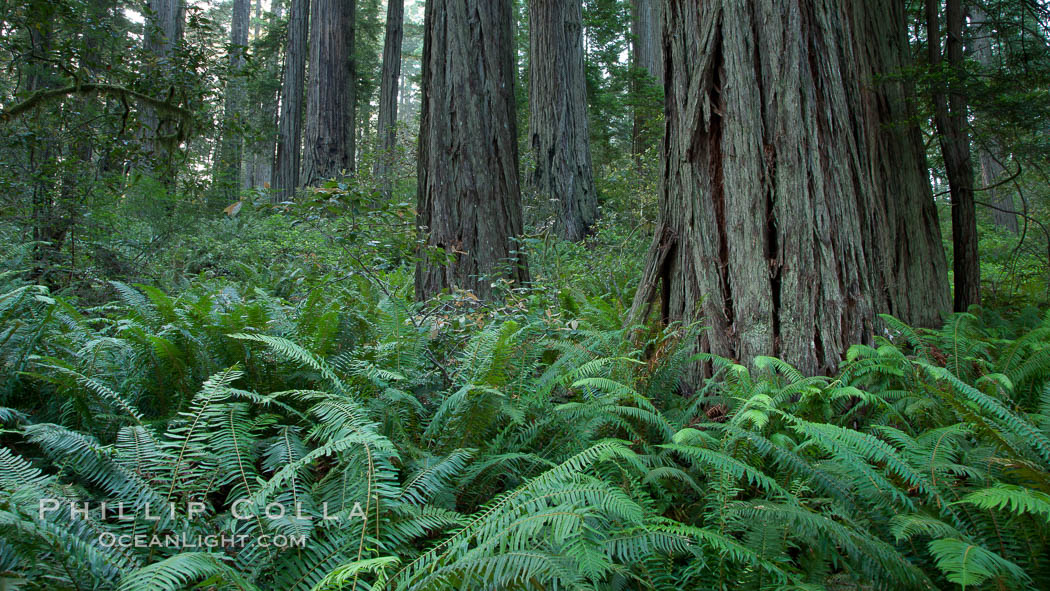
(1016, 499)
(176, 572)
(969, 564)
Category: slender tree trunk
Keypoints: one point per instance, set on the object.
(328, 101)
(647, 55)
(77, 173)
(279, 63)
(258, 19)
(469, 200)
(773, 210)
(558, 119)
(991, 156)
(402, 98)
(46, 219)
(388, 86)
(950, 116)
(231, 149)
(352, 87)
(290, 123)
(255, 163)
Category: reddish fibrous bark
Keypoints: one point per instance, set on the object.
(794, 198)
(469, 199)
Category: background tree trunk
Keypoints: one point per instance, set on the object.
(231, 149)
(950, 116)
(469, 201)
(990, 156)
(388, 87)
(258, 168)
(772, 174)
(258, 18)
(290, 123)
(647, 55)
(558, 119)
(902, 222)
(328, 100)
(647, 33)
(162, 34)
(351, 41)
(48, 228)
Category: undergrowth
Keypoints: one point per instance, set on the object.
(537, 445)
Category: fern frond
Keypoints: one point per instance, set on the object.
(176, 572)
(1012, 498)
(970, 565)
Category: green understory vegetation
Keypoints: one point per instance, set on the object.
(276, 360)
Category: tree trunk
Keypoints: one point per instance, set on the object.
(231, 150)
(352, 88)
(991, 156)
(469, 200)
(47, 226)
(558, 119)
(903, 225)
(646, 42)
(266, 152)
(993, 172)
(328, 100)
(388, 86)
(402, 98)
(290, 123)
(647, 55)
(258, 19)
(780, 219)
(162, 34)
(950, 116)
(259, 156)
(265, 173)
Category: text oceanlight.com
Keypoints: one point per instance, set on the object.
(110, 540)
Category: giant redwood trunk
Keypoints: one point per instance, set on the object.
(329, 100)
(388, 85)
(469, 201)
(558, 118)
(290, 123)
(794, 200)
